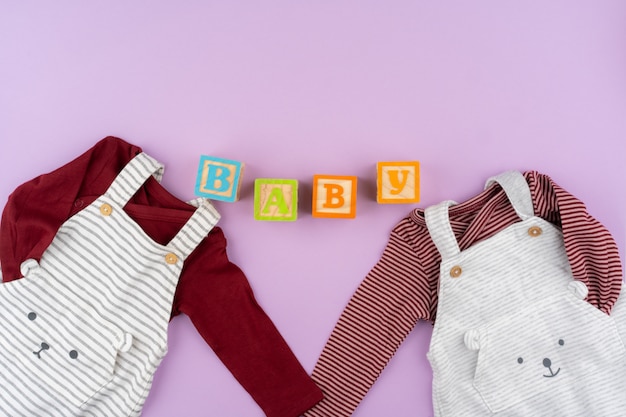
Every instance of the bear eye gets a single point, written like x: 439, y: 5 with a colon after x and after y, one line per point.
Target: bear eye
x: 561, y: 342
x: 32, y: 316
x: 520, y: 360
x: 73, y: 354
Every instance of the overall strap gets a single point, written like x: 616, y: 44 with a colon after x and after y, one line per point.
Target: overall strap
x: 132, y: 177
x: 197, y: 227
x: 438, y: 224
x: 516, y: 188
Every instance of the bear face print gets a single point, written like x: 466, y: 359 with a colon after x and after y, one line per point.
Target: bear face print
x: 558, y: 340
x: 552, y: 370
x: 547, y: 363
x: 67, y: 355
x: 43, y: 346
x: 52, y: 345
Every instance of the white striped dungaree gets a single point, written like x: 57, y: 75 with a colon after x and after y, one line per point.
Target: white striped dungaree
x: 514, y: 336
x: 85, y: 329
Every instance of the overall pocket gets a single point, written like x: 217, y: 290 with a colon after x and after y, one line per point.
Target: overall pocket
x: 551, y: 344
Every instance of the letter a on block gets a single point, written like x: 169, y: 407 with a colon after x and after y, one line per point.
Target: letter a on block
x: 334, y: 196
x: 275, y: 199
x: 219, y: 179
x: 398, y: 182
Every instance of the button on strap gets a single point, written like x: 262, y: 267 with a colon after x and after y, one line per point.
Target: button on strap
x: 106, y: 209
x: 456, y: 271
x: 171, y: 258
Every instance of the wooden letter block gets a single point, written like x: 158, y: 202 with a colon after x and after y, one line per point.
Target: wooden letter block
x: 219, y: 179
x: 275, y: 200
x: 334, y: 196
x: 398, y: 182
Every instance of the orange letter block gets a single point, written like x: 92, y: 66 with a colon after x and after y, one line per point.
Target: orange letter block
x: 334, y: 196
x: 398, y: 182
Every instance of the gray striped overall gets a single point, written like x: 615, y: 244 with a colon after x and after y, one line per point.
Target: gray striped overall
x: 85, y: 329
x: 514, y: 336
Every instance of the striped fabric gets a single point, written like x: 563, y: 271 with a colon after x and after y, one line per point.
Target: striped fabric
x: 402, y: 286
x: 85, y: 329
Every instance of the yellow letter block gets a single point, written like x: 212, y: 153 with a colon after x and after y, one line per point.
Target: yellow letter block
x: 275, y: 200
x: 398, y: 182
x: 334, y: 196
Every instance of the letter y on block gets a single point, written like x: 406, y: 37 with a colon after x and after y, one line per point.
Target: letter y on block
x: 398, y: 182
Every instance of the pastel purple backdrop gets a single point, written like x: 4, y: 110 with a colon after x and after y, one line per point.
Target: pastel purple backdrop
x: 293, y: 89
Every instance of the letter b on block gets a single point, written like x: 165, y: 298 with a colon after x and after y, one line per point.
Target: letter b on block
x: 219, y: 178
x: 334, y: 196
x: 398, y: 182
x: 275, y: 199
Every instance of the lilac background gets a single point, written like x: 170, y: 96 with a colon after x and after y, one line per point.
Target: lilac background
x: 297, y: 88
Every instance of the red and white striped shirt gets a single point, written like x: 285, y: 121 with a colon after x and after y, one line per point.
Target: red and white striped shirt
x: 402, y: 287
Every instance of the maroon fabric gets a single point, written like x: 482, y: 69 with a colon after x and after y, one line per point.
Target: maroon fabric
x: 212, y: 291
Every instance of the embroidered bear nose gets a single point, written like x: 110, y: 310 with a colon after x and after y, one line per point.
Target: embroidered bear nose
x: 44, y: 346
x: 547, y: 362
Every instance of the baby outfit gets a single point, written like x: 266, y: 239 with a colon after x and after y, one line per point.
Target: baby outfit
x: 514, y: 336
x: 85, y: 329
x: 505, y: 275
x: 109, y: 200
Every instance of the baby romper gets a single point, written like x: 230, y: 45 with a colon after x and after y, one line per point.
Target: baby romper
x: 401, y: 289
x: 212, y: 291
x: 514, y: 336
x: 85, y: 329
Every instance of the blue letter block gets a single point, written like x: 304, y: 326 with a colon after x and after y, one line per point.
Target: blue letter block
x: 219, y: 179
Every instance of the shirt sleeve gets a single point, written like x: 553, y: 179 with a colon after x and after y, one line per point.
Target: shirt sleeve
x: 217, y: 297
x: 394, y: 295
x: 590, y: 247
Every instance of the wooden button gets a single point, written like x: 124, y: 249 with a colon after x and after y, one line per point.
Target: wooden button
x: 456, y: 271
x: 171, y: 258
x: 534, y: 231
x: 106, y: 209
